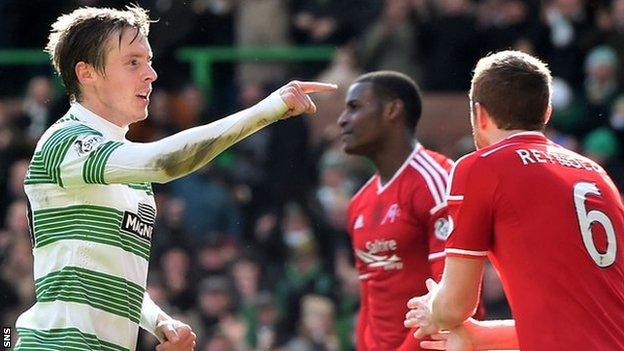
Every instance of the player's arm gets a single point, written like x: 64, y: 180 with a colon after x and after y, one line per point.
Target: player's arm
x: 471, y: 201
x: 470, y: 205
x: 470, y: 335
x: 184, y: 152
x: 172, y: 333
x: 476, y: 335
x: 458, y: 293
x: 450, y: 303
x: 493, y: 335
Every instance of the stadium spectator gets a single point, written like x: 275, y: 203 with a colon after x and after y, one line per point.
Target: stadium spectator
x: 450, y: 44
x: 37, y: 105
x: 391, y: 42
x: 603, y: 146
x: 253, y: 30
x: 215, y: 300
x: 178, y: 279
x: 614, y: 36
x: 601, y: 85
x: 569, y: 29
x: 209, y: 206
x: 303, y: 270
x: 316, y: 326
x: 266, y: 332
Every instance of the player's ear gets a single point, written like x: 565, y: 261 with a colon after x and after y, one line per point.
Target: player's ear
x: 482, y: 116
x: 85, y: 73
x: 548, y: 114
x: 395, y: 108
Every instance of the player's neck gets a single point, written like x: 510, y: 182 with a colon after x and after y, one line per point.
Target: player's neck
x: 389, y: 159
x: 95, y: 105
x: 496, y: 135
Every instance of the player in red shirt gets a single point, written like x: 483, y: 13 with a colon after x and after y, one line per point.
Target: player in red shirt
x: 550, y: 220
x: 393, y: 219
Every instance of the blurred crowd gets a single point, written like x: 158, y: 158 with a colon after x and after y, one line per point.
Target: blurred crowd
x: 252, y: 250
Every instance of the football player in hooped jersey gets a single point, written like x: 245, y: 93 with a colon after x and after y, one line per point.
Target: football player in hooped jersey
x: 550, y: 220
x: 397, y: 221
x: 91, y: 204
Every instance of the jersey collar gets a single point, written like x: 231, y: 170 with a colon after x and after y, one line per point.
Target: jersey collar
x: 380, y: 187
x: 512, y: 137
x: 526, y: 133
x: 109, y: 129
x: 524, y: 136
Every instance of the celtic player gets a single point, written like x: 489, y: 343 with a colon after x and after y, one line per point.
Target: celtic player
x: 92, y: 208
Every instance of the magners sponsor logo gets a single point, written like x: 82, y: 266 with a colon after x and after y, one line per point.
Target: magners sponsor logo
x: 140, y: 224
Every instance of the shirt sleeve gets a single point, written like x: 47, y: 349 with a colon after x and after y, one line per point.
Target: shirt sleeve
x: 47, y: 163
x: 471, y: 208
x: 79, y: 155
x: 430, y: 205
x: 437, y: 231
x: 149, y: 315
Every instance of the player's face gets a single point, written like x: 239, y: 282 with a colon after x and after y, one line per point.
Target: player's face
x: 361, y: 121
x: 123, y: 91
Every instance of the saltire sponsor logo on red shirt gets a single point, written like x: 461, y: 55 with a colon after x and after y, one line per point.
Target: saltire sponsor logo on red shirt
x: 374, y: 260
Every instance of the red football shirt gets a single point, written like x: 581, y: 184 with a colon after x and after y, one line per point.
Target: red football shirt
x: 552, y: 223
x: 393, y: 230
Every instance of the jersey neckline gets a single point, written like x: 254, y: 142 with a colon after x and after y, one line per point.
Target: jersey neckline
x: 382, y: 187
x: 112, y: 130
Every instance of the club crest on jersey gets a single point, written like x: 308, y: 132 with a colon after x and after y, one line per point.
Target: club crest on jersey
x: 359, y: 222
x: 87, y: 144
x: 393, y: 212
x: 443, y: 227
x: 140, y: 224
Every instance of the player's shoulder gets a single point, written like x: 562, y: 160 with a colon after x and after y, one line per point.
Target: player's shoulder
x: 429, y: 163
x: 66, y: 127
x: 435, y: 158
x: 493, y: 155
x: 465, y: 166
x: 428, y: 175
x: 484, y: 165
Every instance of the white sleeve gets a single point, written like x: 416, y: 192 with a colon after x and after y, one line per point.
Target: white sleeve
x: 149, y: 315
x: 169, y: 158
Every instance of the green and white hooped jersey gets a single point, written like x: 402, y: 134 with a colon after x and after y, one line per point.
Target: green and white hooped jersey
x: 91, y: 240
x: 92, y: 211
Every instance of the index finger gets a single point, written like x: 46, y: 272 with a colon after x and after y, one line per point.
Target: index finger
x: 317, y: 87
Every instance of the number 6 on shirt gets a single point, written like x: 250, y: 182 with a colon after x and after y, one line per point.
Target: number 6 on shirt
x: 586, y: 220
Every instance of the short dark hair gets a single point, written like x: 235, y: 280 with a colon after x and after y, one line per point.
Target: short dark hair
x: 515, y: 88
x: 390, y: 85
x: 82, y: 35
